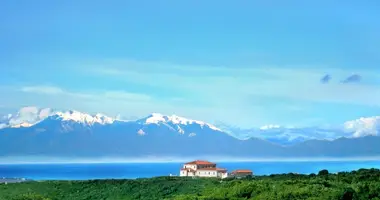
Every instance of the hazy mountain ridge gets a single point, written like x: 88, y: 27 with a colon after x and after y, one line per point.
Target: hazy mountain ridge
x: 29, y: 116
x: 75, y: 134
x: 287, y: 136
x: 369, y: 126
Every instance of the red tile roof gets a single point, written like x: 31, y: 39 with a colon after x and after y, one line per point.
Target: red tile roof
x: 242, y: 171
x: 200, y: 162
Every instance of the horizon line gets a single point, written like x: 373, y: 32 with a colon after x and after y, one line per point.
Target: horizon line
x: 146, y: 160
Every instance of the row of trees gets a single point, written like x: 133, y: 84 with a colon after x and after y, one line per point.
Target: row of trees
x: 363, y: 184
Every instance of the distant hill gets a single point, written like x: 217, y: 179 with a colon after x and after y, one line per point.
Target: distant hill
x: 76, y: 134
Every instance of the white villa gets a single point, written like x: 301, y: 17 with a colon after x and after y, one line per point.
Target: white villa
x: 200, y: 168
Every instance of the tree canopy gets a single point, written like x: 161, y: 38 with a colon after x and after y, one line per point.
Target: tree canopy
x: 362, y: 184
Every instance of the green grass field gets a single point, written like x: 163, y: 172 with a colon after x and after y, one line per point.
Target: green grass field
x: 361, y: 185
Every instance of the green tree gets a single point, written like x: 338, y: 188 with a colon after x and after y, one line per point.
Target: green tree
x: 348, y: 194
x: 323, y: 172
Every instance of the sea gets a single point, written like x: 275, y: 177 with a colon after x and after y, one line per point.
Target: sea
x: 91, y: 171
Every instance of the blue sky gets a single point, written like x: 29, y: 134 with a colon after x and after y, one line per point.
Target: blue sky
x: 246, y: 63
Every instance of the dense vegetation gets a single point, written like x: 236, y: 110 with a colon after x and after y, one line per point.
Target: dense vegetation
x: 363, y: 184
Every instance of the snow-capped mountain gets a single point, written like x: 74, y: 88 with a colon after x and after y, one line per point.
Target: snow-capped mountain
x: 46, y: 132
x: 369, y: 126
x: 157, y: 118
x: 73, y: 133
x: 277, y: 134
x: 31, y: 116
x: 83, y: 118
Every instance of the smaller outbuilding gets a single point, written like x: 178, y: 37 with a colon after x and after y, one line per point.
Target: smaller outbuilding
x: 241, y: 173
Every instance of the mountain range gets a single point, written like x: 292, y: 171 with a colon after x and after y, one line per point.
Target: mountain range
x: 48, y: 132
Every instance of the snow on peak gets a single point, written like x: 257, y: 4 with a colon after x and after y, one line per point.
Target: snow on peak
x: 192, y: 134
x: 73, y: 115
x: 29, y: 116
x: 141, y: 132
x: 270, y: 126
x: 180, y: 130
x: 363, y: 126
x: 100, y: 118
x: 156, y: 118
x: 23, y: 124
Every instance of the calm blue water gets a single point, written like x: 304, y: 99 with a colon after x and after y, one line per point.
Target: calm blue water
x: 145, y: 170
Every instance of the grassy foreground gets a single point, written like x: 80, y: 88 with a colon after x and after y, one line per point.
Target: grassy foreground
x: 363, y: 184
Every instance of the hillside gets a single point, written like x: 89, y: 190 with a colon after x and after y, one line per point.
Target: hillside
x: 68, y: 134
x: 363, y: 184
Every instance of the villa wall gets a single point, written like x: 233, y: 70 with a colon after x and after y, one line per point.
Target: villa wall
x: 207, y: 173
x: 222, y: 174
x: 186, y: 173
x: 202, y: 169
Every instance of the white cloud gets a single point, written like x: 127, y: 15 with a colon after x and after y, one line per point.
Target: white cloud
x: 127, y: 96
x: 99, y: 95
x: 52, y: 90
x: 363, y: 126
x: 42, y: 89
x: 26, y: 115
x: 29, y: 109
x: 234, y: 85
x: 245, y: 96
x: 112, y: 103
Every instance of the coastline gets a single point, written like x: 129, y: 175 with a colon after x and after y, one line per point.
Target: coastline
x: 90, y: 171
x: 109, y: 160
